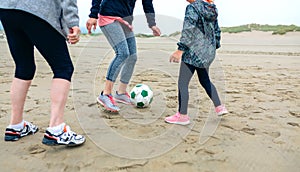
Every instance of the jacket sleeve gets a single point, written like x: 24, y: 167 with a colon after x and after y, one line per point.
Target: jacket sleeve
x: 70, y: 13
x: 149, y: 12
x: 95, y: 9
x: 189, y: 25
x: 217, y: 34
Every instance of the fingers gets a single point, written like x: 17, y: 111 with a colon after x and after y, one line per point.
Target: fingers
x: 174, y: 59
x: 156, y: 31
x: 91, y: 23
x: 74, y: 34
x: 88, y: 27
x: 95, y: 26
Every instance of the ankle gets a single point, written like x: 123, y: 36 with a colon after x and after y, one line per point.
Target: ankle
x: 56, y: 129
x: 121, y: 92
x: 18, y: 125
x: 106, y: 93
x: 182, y: 115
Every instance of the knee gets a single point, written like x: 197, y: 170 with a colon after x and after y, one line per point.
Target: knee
x: 123, y: 54
x: 25, y: 73
x: 132, y: 58
x: 64, y: 72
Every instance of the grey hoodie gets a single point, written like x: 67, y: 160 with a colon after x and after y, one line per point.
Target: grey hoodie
x: 60, y: 14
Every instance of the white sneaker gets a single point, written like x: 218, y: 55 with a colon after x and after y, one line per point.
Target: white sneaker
x: 65, y: 137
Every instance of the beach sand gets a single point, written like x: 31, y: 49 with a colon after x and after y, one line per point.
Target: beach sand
x: 256, y: 74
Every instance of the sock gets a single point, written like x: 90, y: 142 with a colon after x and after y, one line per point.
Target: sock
x: 57, y: 129
x: 19, y: 126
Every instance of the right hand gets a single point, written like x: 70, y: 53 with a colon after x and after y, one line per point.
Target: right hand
x: 176, y: 56
x: 156, y: 31
x: 74, y: 35
x: 91, y: 23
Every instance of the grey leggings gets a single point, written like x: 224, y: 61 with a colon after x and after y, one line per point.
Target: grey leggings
x: 122, y: 40
x: 185, y: 74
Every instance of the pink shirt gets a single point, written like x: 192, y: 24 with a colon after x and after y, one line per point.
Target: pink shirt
x: 105, y: 20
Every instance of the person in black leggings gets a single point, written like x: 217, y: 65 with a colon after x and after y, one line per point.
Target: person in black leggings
x: 24, y: 31
x: 185, y: 74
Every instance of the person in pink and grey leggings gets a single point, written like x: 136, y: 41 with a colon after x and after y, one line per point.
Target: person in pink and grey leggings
x: 115, y: 21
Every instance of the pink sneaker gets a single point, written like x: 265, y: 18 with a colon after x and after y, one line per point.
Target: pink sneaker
x: 221, y: 110
x: 178, y: 119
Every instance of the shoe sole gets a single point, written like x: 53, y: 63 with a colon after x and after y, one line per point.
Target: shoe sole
x: 11, y: 138
x: 50, y: 142
x: 106, y: 109
x: 223, y: 114
x: 124, y: 102
x: 16, y: 138
x: 179, y: 123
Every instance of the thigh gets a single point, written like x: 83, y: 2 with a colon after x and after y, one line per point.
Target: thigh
x: 50, y: 43
x: 130, y: 38
x: 114, y: 33
x: 186, y: 72
x: 203, y: 76
x: 131, y: 45
x: 20, y: 45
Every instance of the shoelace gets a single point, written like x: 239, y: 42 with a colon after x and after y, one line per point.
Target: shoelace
x: 220, y: 108
x: 177, y: 115
x: 31, y: 126
x: 69, y: 133
x: 111, y: 99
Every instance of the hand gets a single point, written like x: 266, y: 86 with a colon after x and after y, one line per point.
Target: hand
x: 155, y: 30
x: 176, y: 56
x: 73, y: 36
x: 91, y: 23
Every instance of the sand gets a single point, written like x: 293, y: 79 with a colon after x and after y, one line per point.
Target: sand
x: 256, y: 73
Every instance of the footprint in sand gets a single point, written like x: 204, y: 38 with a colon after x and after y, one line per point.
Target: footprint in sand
x: 294, y: 124
x: 36, y: 149
x: 250, y: 131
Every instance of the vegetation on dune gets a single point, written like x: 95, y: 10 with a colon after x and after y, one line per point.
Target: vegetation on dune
x: 142, y: 35
x: 92, y: 34
x: 275, y: 29
x: 175, y: 33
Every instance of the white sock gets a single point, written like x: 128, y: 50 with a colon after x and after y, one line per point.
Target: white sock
x: 17, y: 126
x: 57, y: 129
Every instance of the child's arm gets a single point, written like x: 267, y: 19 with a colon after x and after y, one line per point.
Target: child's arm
x: 189, y: 25
x: 217, y: 34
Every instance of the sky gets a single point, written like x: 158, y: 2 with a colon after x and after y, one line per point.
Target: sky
x: 231, y: 12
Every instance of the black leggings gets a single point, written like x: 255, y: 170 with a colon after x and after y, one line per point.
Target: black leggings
x: 185, y: 74
x: 25, y: 31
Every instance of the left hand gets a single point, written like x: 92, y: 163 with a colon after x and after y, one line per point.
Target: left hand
x: 74, y: 34
x: 176, y: 56
x: 155, y: 30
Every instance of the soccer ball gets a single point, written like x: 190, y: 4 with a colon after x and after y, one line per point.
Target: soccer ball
x: 141, y: 95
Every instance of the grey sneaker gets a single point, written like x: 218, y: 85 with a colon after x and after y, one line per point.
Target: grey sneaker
x: 108, y: 102
x: 14, y: 135
x: 65, y: 137
x: 123, y: 98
